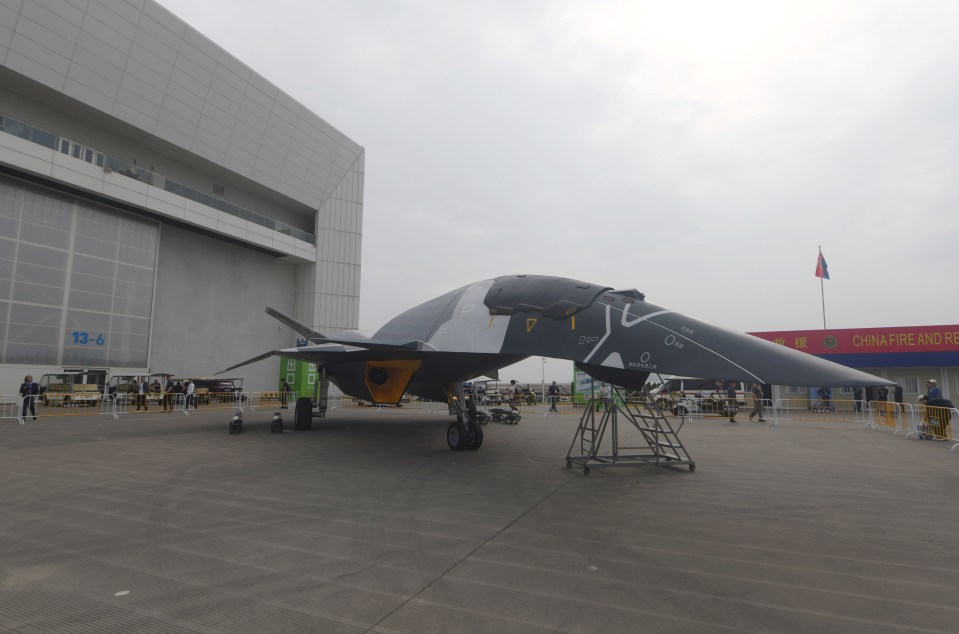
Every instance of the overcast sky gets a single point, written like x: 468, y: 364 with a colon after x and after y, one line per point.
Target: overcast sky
x: 697, y: 151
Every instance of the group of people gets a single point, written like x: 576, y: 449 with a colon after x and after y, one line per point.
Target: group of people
x: 139, y: 387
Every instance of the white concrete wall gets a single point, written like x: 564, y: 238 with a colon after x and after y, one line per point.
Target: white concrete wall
x: 209, y: 308
x: 136, y: 61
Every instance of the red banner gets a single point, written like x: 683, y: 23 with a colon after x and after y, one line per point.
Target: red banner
x: 868, y: 340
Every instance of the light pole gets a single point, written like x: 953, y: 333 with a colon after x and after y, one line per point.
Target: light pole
x: 543, y: 385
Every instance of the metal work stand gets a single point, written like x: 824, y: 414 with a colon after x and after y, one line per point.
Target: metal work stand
x: 662, y: 441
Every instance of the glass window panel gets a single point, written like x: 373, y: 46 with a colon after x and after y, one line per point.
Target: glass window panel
x: 135, y: 275
x: 96, y: 223
x: 9, y: 227
x: 34, y: 334
x: 12, y: 126
x: 30, y: 353
x: 91, y: 284
x: 132, y: 290
x: 34, y: 315
x: 38, y: 294
x: 130, y: 325
x: 136, y: 252
x: 90, y: 245
x: 42, y: 256
x: 45, y: 275
x: 44, y: 138
x: 6, y: 259
x: 41, y: 234
x: 134, y: 307
x: 85, y: 300
x: 93, y: 323
x: 94, y: 266
x: 86, y: 355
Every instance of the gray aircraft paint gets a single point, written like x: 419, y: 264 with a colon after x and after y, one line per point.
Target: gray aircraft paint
x: 617, y: 336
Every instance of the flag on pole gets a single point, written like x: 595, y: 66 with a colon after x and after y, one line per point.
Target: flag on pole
x: 822, y: 269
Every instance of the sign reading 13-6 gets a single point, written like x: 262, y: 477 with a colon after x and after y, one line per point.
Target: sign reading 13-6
x: 87, y: 338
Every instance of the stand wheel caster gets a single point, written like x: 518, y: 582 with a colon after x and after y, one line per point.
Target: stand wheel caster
x: 692, y: 466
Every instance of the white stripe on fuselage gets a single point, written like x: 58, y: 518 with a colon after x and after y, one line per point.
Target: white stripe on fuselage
x: 630, y: 324
x: 624, y: 323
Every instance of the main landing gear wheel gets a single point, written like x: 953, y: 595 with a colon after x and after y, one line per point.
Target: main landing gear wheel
x: 460, y: 436
x: 456, y: 436
x: 476, y: 437
x: 303, y: 414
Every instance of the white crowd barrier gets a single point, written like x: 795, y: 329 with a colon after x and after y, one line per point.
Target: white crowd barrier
x: 11, y: 406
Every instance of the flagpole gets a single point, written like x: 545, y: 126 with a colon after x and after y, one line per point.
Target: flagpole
x: 822, y: 293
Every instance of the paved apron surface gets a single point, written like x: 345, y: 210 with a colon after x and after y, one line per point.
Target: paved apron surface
x: 368, y: 523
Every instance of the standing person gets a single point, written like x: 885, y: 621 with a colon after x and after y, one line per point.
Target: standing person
x: 553, y: 392
x: 882, y: 393
x: 857, y: 394
x: 825, y: 395
x: 178, y: 389
x: 731, y: 401
x: 897, y: 397
x: 190, y: 390
x: 934, y: 396
x: 168, y: 395
x: 142, y: 388
x: 285, y: 395
x: 757, y: 403
x: 514, y: 395
x: 29, y: 392
x: 604, y: 395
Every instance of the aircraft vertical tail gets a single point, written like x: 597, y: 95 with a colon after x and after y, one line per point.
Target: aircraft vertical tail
x: 312, y: 335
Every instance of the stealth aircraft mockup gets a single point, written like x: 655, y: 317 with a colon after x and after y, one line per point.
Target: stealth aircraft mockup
x: 614, y: 335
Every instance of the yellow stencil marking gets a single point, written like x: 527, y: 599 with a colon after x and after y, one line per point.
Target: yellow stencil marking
x: 530, y: 323
x: 572, y: 322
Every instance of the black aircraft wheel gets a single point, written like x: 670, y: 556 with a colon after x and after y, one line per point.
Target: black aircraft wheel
x: 456, y: 436
x: 303, y: 414
x: 476, y: 437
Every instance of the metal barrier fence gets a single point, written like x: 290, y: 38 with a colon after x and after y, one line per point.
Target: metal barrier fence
x: 817, y: 411
x: 284, y: 400
x: 914, y: 421
x: 11, y: 406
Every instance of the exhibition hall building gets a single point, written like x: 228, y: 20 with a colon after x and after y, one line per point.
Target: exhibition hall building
x: 156, y: 194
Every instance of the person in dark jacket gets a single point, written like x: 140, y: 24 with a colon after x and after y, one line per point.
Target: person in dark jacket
x: 29, y: 392
x: 553, y: 396
x: 731, y: 401
x: 168, y: 395
x: 143, y: 388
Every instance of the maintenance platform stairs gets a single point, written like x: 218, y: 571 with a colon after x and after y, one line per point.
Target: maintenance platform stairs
x: 662, y: 447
